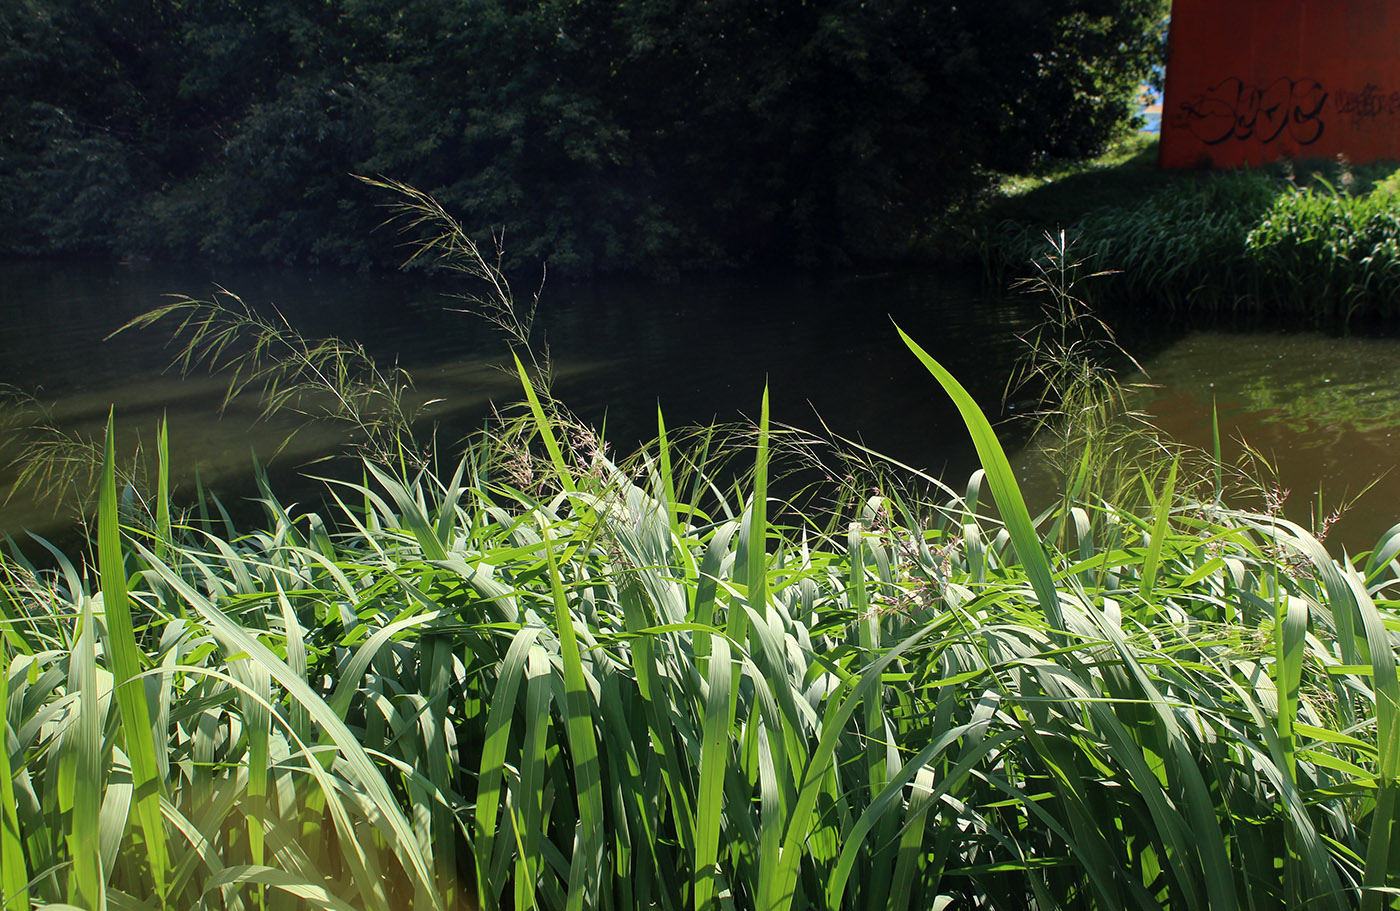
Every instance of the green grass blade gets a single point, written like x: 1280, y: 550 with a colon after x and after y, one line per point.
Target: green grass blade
x: 257, y: 726
x: 1380, y: 871
x: 1379, y: 867
x: 530, y: 822
x: 125, y: 658
x: 666, y: 474
x: 14, y: 877
x: 435, y: 681
x: 707, y: 588
x: 447, y: 514
x: 545, y: 428
x: 297, y: 659
x: 714, y: 763
x: 1216, y: 462
x: 587, y: 861
x: 1004, y: 488
x: 1290, y: 633
x: 1159, y: 535
x: 82, y: 744
x: 758, y: 520
x: 490, y: 794
x: 163, y: 489
x: 116, y: 810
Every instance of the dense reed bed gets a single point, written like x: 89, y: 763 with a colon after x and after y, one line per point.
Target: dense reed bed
x: 1325, y: 245
x: 553, y: 680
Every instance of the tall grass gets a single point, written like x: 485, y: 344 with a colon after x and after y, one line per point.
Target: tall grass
x: 1181, y: 246
x: 459, y: 693
x: 1268, y: 241
x: 1328, y: 244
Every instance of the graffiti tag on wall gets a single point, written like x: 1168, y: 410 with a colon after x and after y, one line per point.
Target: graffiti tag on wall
x: 1369, y: 102
x: 1233, y: 109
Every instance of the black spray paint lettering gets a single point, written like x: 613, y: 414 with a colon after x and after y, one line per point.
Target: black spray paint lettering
x: 1369, y: 102
x: 1234, y: 110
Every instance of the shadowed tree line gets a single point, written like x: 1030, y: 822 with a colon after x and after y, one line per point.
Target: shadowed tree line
x: 656, y: 134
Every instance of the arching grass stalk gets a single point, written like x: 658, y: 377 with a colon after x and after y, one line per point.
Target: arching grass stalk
x: 328, y: 380
x: 51, y: 463
x: 1084, y: 429
x: 319, y: 379
x: 439, y: 240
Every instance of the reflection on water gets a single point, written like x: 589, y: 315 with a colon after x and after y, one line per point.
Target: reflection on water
x: 703, y: 349
x: 1325, y: 411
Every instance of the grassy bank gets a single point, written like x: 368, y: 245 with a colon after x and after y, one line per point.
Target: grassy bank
x: 549, y: 679
x: 541, y: 676
x: 1316, y: 239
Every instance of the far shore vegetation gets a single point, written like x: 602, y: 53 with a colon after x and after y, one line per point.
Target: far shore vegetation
x: 645, y: 136
x: 1317, y: 241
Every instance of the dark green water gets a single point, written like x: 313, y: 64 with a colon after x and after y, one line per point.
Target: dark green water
x: 1324, y: 407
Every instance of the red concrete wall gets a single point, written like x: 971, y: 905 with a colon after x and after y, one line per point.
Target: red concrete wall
x: 1251, y: 81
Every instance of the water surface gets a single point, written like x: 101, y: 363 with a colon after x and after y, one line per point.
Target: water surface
x: 1323, y: 408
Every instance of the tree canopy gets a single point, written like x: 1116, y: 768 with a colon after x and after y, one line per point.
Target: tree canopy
x: 601, y: 134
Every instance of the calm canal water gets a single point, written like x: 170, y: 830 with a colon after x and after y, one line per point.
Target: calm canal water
x: 1323, y: 407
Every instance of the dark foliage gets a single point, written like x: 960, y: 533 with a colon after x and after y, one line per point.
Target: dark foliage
x: 659, y: 134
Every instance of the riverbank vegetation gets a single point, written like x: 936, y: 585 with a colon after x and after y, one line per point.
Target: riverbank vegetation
x: 559, y: 686
x: 543, y: 676
x: 647, y: 136
x: 1316, y: 240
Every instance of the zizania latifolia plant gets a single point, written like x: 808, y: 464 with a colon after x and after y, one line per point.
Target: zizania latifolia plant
x: 626, y: 685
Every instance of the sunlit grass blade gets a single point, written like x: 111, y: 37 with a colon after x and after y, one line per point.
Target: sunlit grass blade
x: 1290, y: 631
x: 1004, y: 487
x: 162, y: 493
x: 578, y: 718
x: 14, y: 875
x: 757, y: 580
x: 1153, y: 558
x: 82, y: 757
x: 492, y: 775
x: 436, y: 681
x: 125, y: 658
x: 714, y: 764
x: 528, y: 822
x: 665, y: 474
x: 545, y: 427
